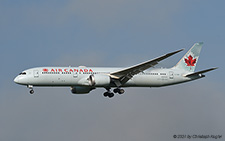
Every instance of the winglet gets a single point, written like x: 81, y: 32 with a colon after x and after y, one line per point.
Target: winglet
x: 178, y: 51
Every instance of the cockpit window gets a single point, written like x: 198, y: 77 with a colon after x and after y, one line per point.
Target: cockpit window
x: 22, y: 73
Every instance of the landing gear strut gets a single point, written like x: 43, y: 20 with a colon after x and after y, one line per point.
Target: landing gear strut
x: 31, y: 89
x: 111, y: 94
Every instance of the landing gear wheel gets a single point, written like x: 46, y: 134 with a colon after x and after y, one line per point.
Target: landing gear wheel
x: 105, y: 94
x: 116, y: 90
x: 121, y: 91
x: 31, y: 91
x: 110, y: 95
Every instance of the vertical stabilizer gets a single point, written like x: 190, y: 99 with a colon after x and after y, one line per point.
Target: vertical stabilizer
x: 190, y: 59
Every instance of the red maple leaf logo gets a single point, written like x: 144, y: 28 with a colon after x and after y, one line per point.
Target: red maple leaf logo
x: 190, y: 61
x: 45, y: 70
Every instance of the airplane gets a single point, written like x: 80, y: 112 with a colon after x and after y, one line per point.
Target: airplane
x: 83, y: 79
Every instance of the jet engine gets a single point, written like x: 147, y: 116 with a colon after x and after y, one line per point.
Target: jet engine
x: 99, y: 80
x: 80, y: 90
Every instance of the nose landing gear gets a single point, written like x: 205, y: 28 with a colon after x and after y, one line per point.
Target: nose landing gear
x: 31, y: 89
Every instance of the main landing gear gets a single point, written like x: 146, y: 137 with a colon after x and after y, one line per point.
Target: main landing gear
x: 111, y: 94
x: 31, y: 89
x: 119, y: 91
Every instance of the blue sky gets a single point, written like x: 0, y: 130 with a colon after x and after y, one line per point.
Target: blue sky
x: 110, y: 33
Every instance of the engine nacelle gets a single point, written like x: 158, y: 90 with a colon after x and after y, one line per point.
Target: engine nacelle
x: 81, y: 90
x: 99, y: 80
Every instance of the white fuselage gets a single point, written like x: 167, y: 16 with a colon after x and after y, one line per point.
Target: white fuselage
x: 78, y: 76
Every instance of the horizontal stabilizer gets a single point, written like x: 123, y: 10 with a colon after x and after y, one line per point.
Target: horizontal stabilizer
x: 200, y: 72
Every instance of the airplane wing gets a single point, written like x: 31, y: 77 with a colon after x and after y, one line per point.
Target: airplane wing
x: 200, y: 72
x: 125, y: 74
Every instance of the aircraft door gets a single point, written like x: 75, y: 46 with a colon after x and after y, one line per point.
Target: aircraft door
x: 36, y: 73
x: 75, y: 75
x: 171, y: 75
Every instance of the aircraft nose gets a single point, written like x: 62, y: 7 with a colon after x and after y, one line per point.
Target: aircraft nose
x: 16, y: 80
